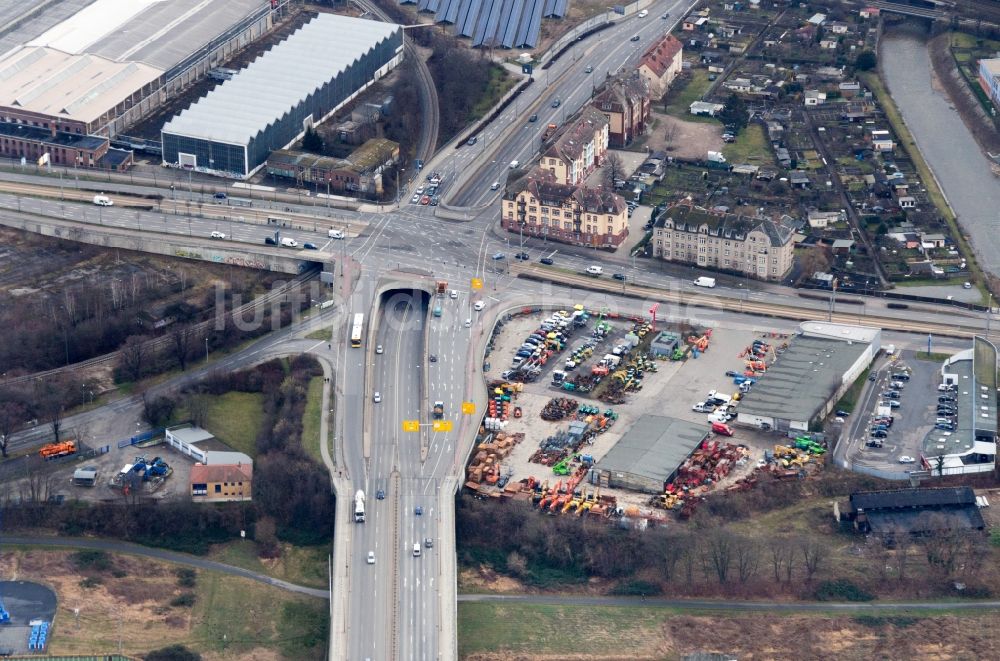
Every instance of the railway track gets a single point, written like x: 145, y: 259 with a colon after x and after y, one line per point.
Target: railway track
x: 162, y: 342
x: 723, y: 303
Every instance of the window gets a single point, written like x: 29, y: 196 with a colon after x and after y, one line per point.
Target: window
x: 218, y: 488
x: 727, y: 253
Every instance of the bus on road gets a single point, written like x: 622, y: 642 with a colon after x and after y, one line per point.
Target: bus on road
x: 359, y: 322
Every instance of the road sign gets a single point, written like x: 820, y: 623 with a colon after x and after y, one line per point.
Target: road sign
x: 411, y: 425
x: 442, y: 425
x: 468, y: 408
x: 477, y: 283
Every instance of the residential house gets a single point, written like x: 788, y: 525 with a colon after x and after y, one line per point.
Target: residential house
x: 538, y: 206
x: 783, y: 157
x: 822, y: 219
x: 661, y: 63
x: 218, y: 483
x: 829, y: 73
x: 758, y: 247
x: 694, y: 22
x: 625, y: 102
x: 849, y: 90
x: 838, y: 27
x: 798, y: 179
x: 817, y: 19
x: 907, y: 202
x: 842, y: 247
x: 814, y: 98
x: 828, y: 43
x: 578, y: 149
x: 869, y: 12
x: 775, y: 131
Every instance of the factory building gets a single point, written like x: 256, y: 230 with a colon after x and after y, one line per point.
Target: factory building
x: 267, y: 106
x: 649, y: 454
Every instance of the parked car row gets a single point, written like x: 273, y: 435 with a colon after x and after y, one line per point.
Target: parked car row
x: 549, y: 338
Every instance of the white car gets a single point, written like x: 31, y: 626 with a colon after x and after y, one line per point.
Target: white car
x: 415, y: 199
x: 378, y: 349
x: 103, y: 201
x: 479, y: 305
x: 906, y: 459
x: 419, y: 191
x: 468, y: 323
x: 453, y: 293
x: 702, y: 407
x: 218, y: 235
x: 371, y: 557
x: 377, y: 397
x: 495, y: 185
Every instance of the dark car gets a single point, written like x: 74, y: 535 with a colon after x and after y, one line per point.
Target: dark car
x: 946, y: 398
x: 619, y: 276
x: 220, y: 196
x: 471, y: 141
x: 635, y: 38
x: 891, y: 394
x: 902, y: 376
x: 533, y: 118
x: 309, y: 246
x: 872, y: 377
x: 432, y: 358
x: 879, y: 433
x: 556, y: 103
x: 944, y: 426
x: 381, y: 494
x: 548, y: 261
x: 841, y: 413
x: 270, y: 241
x: 522, y: 255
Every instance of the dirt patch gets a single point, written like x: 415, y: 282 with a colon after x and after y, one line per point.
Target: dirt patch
x: 484, y: 579
x: 682, y: 139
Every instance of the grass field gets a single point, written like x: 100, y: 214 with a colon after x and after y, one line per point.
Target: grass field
x: 303, y: 565
x: 235, y: 419
x: 850, y: 398
x: 311, y: 419
x: 680, y: 99
x: 750, y: 146
x: 131, y: 605
x: 321, y: 334
x: 500, y: 83
x: 526, y: 631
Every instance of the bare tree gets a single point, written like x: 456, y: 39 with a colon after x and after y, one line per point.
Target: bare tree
x: 613, y: 170
x: 718, y: 556
x: 197, y: 409
x: 180, y: 342
x: 670, y: 135
x: 133, y: 357
x: 12, y: 416
x: 780, y: 552
x: 814, y: 260
x: 747, y: 552
x: 36, y: 485
x: 50, y: 402
x: 814, y: 553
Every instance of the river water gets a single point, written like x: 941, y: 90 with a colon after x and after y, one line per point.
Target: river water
x: 946, y: 143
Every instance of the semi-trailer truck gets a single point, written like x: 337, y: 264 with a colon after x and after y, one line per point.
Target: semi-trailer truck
x: 359, y: 507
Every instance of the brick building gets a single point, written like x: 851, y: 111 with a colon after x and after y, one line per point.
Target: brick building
x: 661, y: 64
x: 33, y: 143
x: 625, y: 102
x: 539, y: 206
x: 758, y: 247
x: 578, y: 149
x: 219, y: 483
x: 361, y: 172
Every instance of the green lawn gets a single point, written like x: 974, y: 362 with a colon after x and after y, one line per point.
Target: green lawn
x: 302, y: 565
x: 500, y: 83
x: 311, y: 419
x: 681, y: 98
x: 750, y: 146
x: 850, y: 398
x: 321, y: 334
x: 234, y: 616
x: 235, y: 419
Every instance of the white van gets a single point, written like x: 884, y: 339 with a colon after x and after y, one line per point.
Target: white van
x: 416, y: 550
x: 514, y: 163
x: 643, y: 14
x: 335, y: 234
x: 103, y: 201
x: 704, y: 282
x: 289, y: 243
x: 594, y: 270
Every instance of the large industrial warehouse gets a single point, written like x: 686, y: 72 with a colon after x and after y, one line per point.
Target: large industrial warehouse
x: 650, y: 452
x: 820, y: 364
x: 99, y: 66
x: 268, y: 105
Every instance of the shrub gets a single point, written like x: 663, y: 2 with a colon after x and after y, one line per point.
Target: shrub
x: 637, y: 588
x: 172, y: 653
x: 185, y: 600
x: 96, y: 560
x: 90, y: 582
x: 841, y: 590
x: 186, y: 578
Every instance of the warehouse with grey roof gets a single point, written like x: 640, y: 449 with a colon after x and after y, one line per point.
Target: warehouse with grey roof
x: 267, y: 106
x: 803, y: 385
x: 649, y: 454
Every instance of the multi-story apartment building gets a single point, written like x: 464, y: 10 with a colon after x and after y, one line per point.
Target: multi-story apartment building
x: 578, y: 149
x: 537, y: 205
x: 661, y: 64
x: 625, y: 102
x: 758, y: 247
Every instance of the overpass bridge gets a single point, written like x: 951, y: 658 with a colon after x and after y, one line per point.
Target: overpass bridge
x: 932, y: 9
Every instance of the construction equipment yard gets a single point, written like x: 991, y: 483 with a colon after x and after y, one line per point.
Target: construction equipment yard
x: 543, y: 440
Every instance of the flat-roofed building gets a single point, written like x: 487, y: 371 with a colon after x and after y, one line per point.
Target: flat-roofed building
x: 649, y: 454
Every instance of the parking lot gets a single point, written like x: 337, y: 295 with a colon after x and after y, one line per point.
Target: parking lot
x: 911, y: 421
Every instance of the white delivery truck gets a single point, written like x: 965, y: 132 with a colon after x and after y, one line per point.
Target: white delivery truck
x: 335, y: 234
x: 704, y: 282
x: 103, y: 201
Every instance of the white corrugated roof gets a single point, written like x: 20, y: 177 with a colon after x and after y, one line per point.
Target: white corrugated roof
x: 90, y: 24
x: 273, y: 84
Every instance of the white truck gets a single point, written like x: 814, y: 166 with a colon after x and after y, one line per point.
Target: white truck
x: 359, y: 507
x: 704, y: 282
x: 716, y: 157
